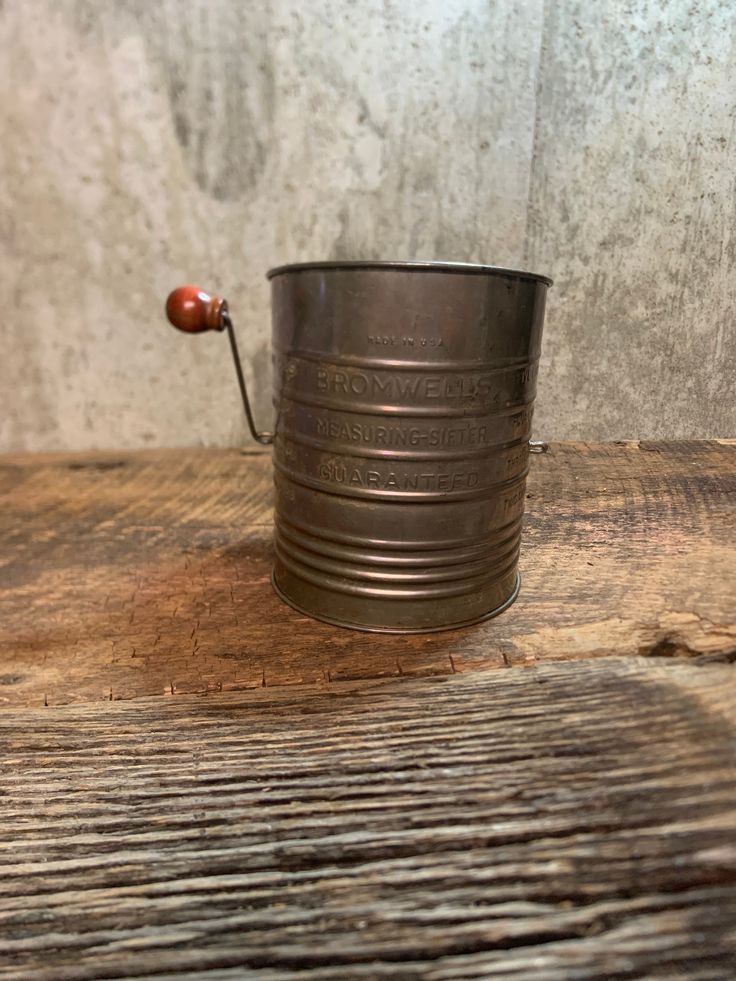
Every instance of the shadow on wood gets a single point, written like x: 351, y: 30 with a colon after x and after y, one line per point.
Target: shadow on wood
x: 148, y: 573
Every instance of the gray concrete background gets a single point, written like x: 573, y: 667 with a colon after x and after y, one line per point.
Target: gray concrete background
x: 149, y: 144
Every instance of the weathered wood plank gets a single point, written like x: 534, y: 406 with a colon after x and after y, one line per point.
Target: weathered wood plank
x: 565, y: 821
x: 148, y: 573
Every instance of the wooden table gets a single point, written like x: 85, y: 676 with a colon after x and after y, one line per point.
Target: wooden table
x: 194, y: 778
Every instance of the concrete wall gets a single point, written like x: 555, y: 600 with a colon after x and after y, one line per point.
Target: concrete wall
x: 149, y: 144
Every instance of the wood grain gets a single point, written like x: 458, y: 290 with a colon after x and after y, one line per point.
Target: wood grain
x: 571, y: 820
x: 148, y: 573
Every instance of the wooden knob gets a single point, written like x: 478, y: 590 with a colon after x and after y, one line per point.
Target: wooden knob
x: 192, y: 310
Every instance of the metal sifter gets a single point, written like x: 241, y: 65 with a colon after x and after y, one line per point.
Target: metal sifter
x: 404, y: 395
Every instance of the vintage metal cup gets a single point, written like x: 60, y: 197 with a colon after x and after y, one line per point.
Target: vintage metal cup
x: 404, y: 394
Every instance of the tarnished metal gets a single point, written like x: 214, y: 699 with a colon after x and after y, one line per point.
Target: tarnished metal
x: 404, y: 395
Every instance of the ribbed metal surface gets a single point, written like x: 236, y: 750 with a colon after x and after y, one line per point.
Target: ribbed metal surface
x: 404, y: 397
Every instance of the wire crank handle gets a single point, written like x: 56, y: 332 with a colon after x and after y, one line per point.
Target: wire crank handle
x: 193, y: 311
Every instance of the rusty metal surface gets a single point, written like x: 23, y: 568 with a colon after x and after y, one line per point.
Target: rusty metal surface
x: 404, y: 400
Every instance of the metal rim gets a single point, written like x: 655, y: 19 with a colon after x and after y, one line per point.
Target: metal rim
x: 398, y: 630
x: 412, y: 266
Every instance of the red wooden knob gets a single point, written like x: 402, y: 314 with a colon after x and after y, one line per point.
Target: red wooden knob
x: 192, y: 310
